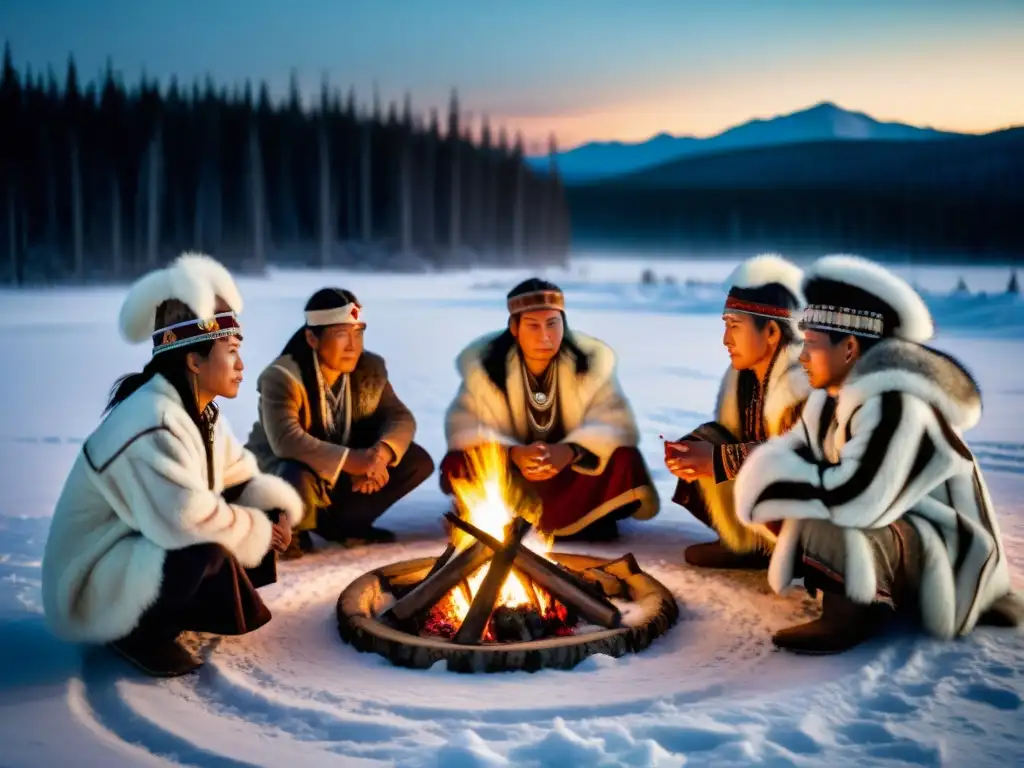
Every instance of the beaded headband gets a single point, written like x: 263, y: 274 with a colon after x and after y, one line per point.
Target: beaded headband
x: 858, y: 322
x: 530, y: 302
x: 190, y: 332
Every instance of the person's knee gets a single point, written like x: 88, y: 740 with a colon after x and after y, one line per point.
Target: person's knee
x: 303, y: 480
x: 201, y: 559
x: 821, y: 537
x: 421, y: 465
x: 452, y: 465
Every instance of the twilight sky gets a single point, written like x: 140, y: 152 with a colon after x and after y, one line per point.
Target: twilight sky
x: 585, y: 69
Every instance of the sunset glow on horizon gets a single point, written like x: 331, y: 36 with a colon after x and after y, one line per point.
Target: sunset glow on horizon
x: 584, y: 70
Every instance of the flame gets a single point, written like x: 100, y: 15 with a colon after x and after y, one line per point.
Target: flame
x: 487, y: 498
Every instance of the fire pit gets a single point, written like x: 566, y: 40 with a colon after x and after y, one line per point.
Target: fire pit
x: 497, y: 599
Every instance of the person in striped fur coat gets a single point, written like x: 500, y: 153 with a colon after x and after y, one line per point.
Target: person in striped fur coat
x: 883, y: 506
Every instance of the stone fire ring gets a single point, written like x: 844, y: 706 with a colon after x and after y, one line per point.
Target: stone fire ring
x: 652, y: 613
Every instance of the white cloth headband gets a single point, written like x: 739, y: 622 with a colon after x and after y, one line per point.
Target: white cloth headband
x: 350, y: 314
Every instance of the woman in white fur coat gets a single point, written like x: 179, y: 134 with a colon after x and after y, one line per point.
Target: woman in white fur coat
x: 165, y: 524
x: 883, y: 504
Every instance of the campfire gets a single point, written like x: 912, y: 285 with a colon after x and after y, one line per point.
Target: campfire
x: 498, y: 597
x: 494, y: 582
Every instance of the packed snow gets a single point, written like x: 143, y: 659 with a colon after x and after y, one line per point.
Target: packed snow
x: 713, y: 691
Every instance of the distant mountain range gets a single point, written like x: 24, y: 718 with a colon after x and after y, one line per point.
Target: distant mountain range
x: 822, y: 122
x: 964, y: 167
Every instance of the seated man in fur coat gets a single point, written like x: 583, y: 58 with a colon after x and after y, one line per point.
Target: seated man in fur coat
x: 331, y: 424
x: 551, y: 396
x: 165, y: 523
x: 760, y: 396
x: 884, y: 506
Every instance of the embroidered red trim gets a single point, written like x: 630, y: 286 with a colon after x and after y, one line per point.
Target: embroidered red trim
x: 222, y: 322
x: 754, y: 308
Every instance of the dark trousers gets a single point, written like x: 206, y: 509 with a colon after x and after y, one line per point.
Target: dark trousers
x: 895, y: 549
x: 342, y: 513
x: 205, y: 589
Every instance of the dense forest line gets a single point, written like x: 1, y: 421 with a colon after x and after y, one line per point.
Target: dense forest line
x: 100, y: 181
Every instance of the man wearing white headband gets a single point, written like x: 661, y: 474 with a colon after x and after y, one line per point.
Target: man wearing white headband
x: 552, y: 398
x: 165, y: 523
x: 331, y: 424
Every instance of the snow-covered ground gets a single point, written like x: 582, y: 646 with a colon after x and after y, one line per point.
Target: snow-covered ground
x: 711, y: 692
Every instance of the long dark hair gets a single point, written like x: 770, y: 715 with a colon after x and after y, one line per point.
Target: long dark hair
x: 172, y: 365
x: 299, y: 350
x: 496, y: 354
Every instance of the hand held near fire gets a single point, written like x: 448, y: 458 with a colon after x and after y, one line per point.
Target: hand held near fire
x: 690, y: 459
x: 541, y: 461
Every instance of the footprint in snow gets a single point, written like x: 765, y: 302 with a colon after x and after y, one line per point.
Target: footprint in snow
x: 994, y: 696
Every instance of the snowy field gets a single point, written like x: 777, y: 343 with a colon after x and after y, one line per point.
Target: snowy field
x: 711, y: 692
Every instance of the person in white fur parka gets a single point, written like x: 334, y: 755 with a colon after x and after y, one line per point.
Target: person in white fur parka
x: 883, y: 504
x: 165, y: 523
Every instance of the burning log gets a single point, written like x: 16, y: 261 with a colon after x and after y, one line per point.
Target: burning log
x: 441, y: 561
x: 432, y: 589
x: 473, y: 626
x: 564, y: 586
x: 511, y: 626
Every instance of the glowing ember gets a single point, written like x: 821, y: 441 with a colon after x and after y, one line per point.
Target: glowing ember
x: 487, y: 498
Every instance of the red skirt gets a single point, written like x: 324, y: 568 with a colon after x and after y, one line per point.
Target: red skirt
x: 572, y: 500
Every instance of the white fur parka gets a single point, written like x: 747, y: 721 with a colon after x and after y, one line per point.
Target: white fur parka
x: 139, y: 488
x: 594, y: 412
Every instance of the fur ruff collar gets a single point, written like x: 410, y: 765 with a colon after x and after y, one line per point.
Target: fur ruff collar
x: 903, y: 366
x: 575, y: 390
x: 469, y: 363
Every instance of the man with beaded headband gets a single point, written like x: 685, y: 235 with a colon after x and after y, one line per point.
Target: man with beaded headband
x: 331, y: 424
x: 882, y: 504
x: 760, y: 396
x: 165, y: 523
x: 552, y: 398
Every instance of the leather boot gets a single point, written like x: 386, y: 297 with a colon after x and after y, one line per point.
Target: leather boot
x: 842, y: 625
x: 714, y: 554
x: 163, y: 657
x: 1007, y: 611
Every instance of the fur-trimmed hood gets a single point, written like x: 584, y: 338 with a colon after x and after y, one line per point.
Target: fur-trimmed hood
x: 903, y: 366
